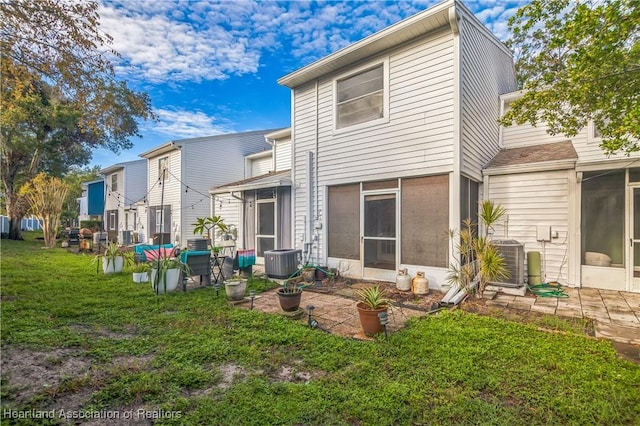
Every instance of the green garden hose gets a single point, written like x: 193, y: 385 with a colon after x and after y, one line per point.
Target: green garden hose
x: 548, y: 290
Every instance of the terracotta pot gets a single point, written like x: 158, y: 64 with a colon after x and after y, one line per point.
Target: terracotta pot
x: 369, y: 319
x: 289, y: 302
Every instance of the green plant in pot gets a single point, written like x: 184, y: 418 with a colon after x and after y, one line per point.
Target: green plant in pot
x: 372, y: 301
x: 141, y: 272
x: 290, y: 294
x: 206, y: 224
x: 166, y: 274
x: 235, y: 287
x: 113, y: 259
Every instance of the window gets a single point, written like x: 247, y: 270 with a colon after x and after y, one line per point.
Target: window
x: 360, y: 97
x: 425, y: 220
x: 163, y: 167
x: 603, y: 214
x: 112, y: 220
x: 344, y: 221
x: 114, y: 182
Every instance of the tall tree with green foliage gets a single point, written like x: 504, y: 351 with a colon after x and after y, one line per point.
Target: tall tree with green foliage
x: 579, y: 62
x: 45, y: 196
x: 60, y: 95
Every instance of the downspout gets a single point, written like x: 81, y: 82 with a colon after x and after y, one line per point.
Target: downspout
x: 317, y: 185
x: 455, y: 175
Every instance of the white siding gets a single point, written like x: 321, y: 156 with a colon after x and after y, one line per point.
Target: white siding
x: 114, y: 199
x: 261, y: 166
x: 171, y: 193
x: 229, y: 209
x: 532, y: 199
x: 486, y: 71
x: 135, y: 181
x: 211, y: 162
x: 527, y: 135
x: 417, y: 140
x: 282, y: 153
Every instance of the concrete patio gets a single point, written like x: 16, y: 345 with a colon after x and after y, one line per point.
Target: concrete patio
x: 616, y: 314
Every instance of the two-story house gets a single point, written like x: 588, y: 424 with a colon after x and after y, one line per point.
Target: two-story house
x: 180, y: 174
x: 390, y: 137
x: 259, y: 206
x: 91, y: 202
x: 125, y: 184
x: 567, y: 200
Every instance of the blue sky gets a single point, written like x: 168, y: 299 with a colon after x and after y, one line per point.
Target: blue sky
x: 211, y: 67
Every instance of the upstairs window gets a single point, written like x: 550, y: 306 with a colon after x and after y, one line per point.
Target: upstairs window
x: 360, y: 97
x: 163, y: 167
x: 114, y: 182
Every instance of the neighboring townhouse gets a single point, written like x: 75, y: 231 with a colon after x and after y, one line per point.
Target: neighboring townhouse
x: 180, y: 174
x: 567, y: 200
x: 259, y: 206
x: 390, y: 137
x: 92, y: 200
x: 125, y: 185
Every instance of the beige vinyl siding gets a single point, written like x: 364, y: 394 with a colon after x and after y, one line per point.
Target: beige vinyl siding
x: 114, y: 199
x: 532, y: 199
x: 486, y: 72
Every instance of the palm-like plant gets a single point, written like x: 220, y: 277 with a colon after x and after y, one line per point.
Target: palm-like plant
x: 480, y: 261
x: 206, y: 224
x: 373, y: 298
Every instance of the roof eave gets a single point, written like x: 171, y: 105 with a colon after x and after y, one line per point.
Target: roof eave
x: 159, y: 150
x: 540, y: 166
x: 394, y: 35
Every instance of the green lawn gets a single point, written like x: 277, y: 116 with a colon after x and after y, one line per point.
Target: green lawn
x: 90, y: 344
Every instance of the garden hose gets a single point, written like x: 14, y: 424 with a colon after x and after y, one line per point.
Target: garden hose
x: 552, y: 289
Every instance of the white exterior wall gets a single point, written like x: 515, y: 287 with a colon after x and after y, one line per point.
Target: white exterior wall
x: 282, y: 154
x: 486, y: 72
x: 207, y: 163
x: 230, y: 209
x: 114, y: 199
x: 261, y: 165
x: 172, y: 193
x: 417, y: 140
x: 532, y: 199
x: 135, y: 181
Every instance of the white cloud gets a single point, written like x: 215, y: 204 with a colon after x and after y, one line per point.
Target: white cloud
x: 186, y: 124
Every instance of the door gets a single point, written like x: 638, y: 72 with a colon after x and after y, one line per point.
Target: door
x: 265, y: 227
x: 634, y: 240
x: 379, y: 236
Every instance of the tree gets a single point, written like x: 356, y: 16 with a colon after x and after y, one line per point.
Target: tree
x: 74, y: 179
x: 60, y: 97
x: 579, y: 62
x: 45, y: 196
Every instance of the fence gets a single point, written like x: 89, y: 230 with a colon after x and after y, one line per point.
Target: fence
x: 27, y: 224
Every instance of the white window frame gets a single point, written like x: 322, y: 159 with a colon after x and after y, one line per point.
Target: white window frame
x: 168, y: 164
x: 385, y: 96
x: 114, y: 182
x: 591, y: 131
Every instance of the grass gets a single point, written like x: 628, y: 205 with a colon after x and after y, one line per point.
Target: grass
x: 105, y: 343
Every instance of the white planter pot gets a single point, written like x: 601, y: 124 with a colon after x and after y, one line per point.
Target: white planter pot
x: 140, y: 277
x: 235, y: 289
x: 115, y: 265
x: 169, y: 281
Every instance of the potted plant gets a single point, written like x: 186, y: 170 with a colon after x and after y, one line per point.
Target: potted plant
x: 166, y: 274
x: 113, y: 260
x: 206, y: 224
x: 372, y: 301
x: 235, y: 287
x: 290, y: 294
x: 140, y: 272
